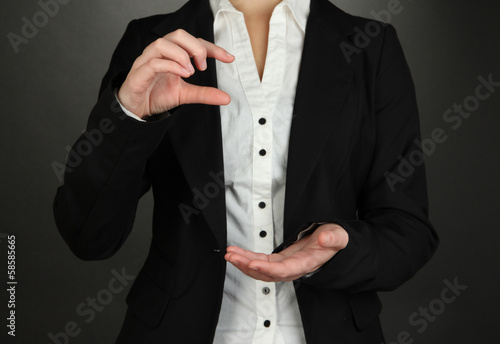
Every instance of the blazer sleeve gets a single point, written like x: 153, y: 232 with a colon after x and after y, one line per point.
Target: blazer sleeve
x: 106, y: 169
x: 392, y: 238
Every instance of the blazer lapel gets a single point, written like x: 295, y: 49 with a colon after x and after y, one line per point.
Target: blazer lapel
x: 197, y: 138
x: 324, y: 78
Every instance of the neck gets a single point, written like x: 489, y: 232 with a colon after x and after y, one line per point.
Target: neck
x: 255, y: 7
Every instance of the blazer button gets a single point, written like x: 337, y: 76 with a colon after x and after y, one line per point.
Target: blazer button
x: 262, y: 121
x: 262, y: 205
x: 267, y: 323
x: 263, y: 234
x: 262, y: 152
x: 266, y: 290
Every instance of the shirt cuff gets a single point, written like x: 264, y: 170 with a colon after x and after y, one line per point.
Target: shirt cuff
x: 306, y: 231
x: 127, y: 112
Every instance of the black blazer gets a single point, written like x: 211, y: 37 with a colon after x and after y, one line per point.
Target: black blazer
x: 354, y: 120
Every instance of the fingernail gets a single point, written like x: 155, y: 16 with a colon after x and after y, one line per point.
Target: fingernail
x: 186, y: 71
x: 229, y: 55
x: 203, y: 65
x: 191, y: 68
x: 254, y: 268
x: 236, y: 262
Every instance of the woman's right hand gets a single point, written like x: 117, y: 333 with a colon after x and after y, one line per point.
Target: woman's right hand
x: 154, y: 83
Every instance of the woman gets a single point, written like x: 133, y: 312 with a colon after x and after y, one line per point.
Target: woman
x: 291, y: 110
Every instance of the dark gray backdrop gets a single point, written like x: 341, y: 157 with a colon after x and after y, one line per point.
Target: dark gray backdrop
x: 50, y: 85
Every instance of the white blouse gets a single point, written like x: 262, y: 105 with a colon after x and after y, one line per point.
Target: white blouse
x: 255, y: 132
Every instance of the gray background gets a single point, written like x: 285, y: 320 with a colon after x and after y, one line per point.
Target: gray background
x: 50, y: 86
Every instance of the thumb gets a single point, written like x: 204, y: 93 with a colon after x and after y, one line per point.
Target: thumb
x: 193, y: 94
x: 327, y: 239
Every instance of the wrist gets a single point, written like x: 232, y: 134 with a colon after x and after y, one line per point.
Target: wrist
x: 125, y: 109
x: 124, y: 99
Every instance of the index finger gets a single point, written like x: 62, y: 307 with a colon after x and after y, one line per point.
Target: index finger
x: 199, y: 49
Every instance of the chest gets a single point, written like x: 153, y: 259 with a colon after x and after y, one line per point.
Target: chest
x: 258, y: 32
x: 256, y: 124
